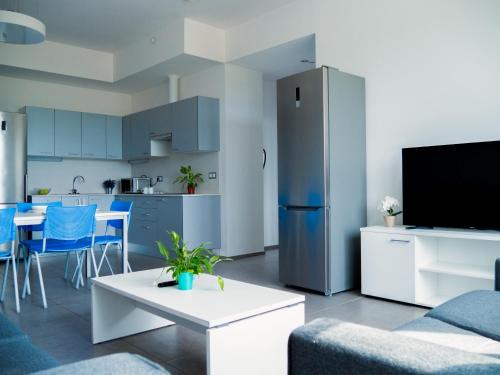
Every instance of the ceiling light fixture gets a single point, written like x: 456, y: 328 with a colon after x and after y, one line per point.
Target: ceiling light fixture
x: 19, y: 28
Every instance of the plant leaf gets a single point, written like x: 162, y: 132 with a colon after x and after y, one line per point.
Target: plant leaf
x: 220, y: 281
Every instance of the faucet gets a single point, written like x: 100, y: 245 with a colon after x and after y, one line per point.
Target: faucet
x: 79, y: 179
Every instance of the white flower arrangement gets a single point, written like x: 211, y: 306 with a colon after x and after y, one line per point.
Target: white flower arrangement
x: 388, y: 206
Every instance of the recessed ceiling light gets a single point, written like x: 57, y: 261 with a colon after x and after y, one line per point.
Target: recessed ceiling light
x: 153, y: 40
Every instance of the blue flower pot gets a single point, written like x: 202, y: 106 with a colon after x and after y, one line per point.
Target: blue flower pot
x: 185, y: 281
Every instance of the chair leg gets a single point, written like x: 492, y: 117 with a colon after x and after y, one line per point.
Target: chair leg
x: 26, y: 276
x: 81, y: 262
x: 16, y: 291
x: 26, y: 268
x: 40, y: 277
x: 77, y: 272
x: 4, y: 283
x: 92, y: 255
x: 66, y: 267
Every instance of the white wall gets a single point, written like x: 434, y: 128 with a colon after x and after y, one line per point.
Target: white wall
x: 59, y: 175
x: 270, y: 177
x: 241, y: 162
x: 17, y: 93
x: 430, y: 69
x: 431, y: 75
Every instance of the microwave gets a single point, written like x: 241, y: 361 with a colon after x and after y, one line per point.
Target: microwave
x: 134, y: 184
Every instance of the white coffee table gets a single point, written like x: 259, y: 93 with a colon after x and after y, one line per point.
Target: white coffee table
x: 247, y: 326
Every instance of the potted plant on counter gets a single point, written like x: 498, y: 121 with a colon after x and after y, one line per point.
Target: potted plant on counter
x: 109, y: 185
x: 189, y: 178
x: 184, y: 263
x: 389, y: 207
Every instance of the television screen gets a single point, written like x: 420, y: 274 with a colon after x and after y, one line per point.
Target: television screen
x: 456, y: 186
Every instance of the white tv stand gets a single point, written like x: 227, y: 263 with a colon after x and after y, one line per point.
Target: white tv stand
x: 426, y: 266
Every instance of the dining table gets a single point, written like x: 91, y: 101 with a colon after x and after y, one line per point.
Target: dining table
x: 35, y: 218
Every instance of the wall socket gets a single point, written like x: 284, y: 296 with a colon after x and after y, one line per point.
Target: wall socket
x: 212, y: 175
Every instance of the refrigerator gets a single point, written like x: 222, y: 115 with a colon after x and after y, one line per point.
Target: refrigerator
x: 321, y: 179
x: 13, y: 159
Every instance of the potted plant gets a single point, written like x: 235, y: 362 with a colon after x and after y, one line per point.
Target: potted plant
x: 185, y: 263
x: 109, y: 185
x: 389, y: 207
x: 189, y: 178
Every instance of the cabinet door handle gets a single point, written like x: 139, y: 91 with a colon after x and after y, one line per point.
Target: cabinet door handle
x: 74, y: 154
x: 146, y: 214
x: 399, y: 241
x: 146, y: 227
x: 46, y: 152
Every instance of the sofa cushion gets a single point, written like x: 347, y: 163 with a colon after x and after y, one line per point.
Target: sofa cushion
x: 441, y: 333
x: 9, y: 331
x: 477, y: 311
x: 121, y: 363
x: 326, y: 346
x: 21, y: 357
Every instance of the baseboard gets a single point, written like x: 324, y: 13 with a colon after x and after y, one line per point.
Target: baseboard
x: 271, y: 247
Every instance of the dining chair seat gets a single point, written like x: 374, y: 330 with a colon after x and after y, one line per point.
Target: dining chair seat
x: 4, y: 255
x: 54, y: 246
x: 103, y: 240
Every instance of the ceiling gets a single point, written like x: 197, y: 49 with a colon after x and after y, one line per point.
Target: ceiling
x: 108, y: 25
x: 284, y: 59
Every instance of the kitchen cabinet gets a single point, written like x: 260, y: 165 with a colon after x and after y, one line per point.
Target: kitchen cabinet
x: 195, y: 125
x: 93, y: 136
x: 68, y: 133
x: 45, y: 198
x: 136, y: 140
x: 40, y: 131
x: 196, y: 218
x: 103, y: 203
x: 160, y: 120
x: 74, y: 200
x: 113, y: 138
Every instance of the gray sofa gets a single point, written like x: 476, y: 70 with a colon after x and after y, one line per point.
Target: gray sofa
x: 19, y: 356
x: 461, y: 336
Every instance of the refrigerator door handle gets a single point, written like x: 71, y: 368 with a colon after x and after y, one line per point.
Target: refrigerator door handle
x: 302, y: 208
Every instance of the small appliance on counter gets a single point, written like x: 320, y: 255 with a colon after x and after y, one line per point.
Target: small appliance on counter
x: 135, y: 185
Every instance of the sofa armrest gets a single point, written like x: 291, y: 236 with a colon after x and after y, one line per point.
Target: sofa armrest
x: 326, y: 346
x: 497, y: 275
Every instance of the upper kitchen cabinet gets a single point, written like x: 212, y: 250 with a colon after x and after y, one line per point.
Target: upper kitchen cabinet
x: 93, y: 136
x: 195, y: 125
x: 136, y: 139
x: 113, y: 138
x: 160, y: 120
x: 68, y: 133
x: 40, y: 131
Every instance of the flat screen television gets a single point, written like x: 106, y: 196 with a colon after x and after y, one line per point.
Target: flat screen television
x: 454, y: 186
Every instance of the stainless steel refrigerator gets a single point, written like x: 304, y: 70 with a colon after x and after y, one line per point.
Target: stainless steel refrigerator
x: 321, y: 179
x: 13, y: 165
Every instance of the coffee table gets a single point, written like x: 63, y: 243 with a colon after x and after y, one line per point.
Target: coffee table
x: 246, y: 326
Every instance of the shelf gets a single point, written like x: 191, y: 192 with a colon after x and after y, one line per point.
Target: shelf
x: 434, y: 300
x: 464, y: 270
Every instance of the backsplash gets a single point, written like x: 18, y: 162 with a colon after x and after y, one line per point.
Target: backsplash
x: 169, y: 169
x: 59, y: 175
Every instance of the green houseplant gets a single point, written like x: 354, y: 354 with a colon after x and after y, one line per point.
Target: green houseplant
x: 190, y: 178
x: 184, y: 263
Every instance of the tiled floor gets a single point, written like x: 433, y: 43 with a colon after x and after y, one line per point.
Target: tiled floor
x: 63, y: 329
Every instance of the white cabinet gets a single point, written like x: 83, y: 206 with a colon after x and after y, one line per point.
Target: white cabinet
x: 74, y: 200
x: 426, y: 266
x: 388, y: 266
x: 103, y: 203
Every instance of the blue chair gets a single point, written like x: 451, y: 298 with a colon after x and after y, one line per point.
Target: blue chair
x: 24, y: 230
x: 8, y: 234
x: 108, y: 240
x: 66, y: 229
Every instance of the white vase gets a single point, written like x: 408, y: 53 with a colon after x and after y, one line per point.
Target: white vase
x: 390, y: 221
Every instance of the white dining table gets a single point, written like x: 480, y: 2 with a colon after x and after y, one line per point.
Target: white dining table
x: 32, y: 218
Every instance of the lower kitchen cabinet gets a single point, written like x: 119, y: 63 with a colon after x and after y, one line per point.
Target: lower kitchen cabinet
x: 196, y: 218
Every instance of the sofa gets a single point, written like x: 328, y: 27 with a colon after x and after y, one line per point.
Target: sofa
x: 19, y: 356
x: 461, y: 336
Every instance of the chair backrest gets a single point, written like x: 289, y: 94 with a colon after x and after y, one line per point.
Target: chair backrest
x: 122, y: 206
x: 7, y: 226
x: 26, y: 207
x: 69, y: 223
